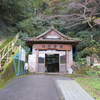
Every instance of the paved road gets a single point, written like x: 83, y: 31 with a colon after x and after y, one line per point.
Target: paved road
x: 43, y: 87
x: 30, y: 87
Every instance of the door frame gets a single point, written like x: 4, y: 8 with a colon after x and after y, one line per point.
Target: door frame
x: 58, y: 57
x: 51, y: 53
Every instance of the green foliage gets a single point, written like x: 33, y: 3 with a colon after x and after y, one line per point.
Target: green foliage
x: 39, y: 6
x: 95, y: 71
x: 92, y: 73
x: 26, y: 26
x: 21, y: 41
x: 20, y: 13
x: 13, y: 11
x: 32, y: 26
x: 88, y: 46
x: 12, y: 30
x: 23, y: 35
x: 93, y: 48
x: 85, y: 39
x: 96, y: 34
x: 80, y: 61
x: 98, y: 66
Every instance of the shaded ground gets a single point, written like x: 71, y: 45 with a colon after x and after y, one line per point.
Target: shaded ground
x: 30, y: 87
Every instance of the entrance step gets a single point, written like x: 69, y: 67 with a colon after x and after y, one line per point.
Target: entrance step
x: 50, y: 73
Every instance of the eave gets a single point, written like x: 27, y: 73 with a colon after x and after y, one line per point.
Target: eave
x: 72, y: 42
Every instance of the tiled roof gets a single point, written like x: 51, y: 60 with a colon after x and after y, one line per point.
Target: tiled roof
x: 52, y: 28
x: 40, y: 39
x: 50, y: 40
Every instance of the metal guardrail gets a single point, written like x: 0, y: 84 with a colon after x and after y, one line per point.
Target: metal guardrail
x: 5, y: 52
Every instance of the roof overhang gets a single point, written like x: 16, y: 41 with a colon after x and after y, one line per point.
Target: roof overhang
x: 71, y: 42
x: 52, y: 32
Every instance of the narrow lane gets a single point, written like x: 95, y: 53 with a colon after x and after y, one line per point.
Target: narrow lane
x: 30, y: 87
x: 43, y: 87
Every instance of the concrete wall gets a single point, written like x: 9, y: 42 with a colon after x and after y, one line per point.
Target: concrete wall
x: 41, y: 68
x: 62, y: 68
x: 32, y: 61
x: 70, y: 59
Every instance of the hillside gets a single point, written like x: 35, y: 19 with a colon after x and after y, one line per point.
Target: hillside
x: 2, y: 41
x: 75, y: 18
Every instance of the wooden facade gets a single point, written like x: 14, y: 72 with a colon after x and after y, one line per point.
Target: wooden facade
x: 52, y: 51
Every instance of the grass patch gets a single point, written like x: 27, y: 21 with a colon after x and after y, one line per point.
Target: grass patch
x: 89, y: 81
x: 73, y: 76
x: 91, y: 85
x: 5, y: 43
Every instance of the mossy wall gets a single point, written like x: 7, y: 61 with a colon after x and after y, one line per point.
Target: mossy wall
x: 7, y: 73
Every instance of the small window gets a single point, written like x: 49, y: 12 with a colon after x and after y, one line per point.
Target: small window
x: 49, y: 46
x: 41, y: 58
x: 61, y: 46
x: 55, y: 46
x: 43, y: 46
x: 62, y: 58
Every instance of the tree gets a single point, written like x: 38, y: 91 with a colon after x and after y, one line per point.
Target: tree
x: 79, y: 12
x: 14, y: 10
x: 86, y: 11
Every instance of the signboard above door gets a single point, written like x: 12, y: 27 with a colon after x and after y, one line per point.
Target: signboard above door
x: 52, y: 47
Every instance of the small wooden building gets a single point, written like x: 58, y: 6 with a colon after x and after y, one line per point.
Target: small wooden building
x: 52, y: 51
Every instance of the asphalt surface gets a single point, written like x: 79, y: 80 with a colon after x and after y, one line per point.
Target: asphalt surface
x: 43, y: 87
x: 30, y: 87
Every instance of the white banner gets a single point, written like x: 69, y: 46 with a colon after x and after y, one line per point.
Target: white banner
x: 22, y: 54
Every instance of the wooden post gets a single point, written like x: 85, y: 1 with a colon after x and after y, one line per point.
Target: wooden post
x: 67, y: 59
x: 37, y: 55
